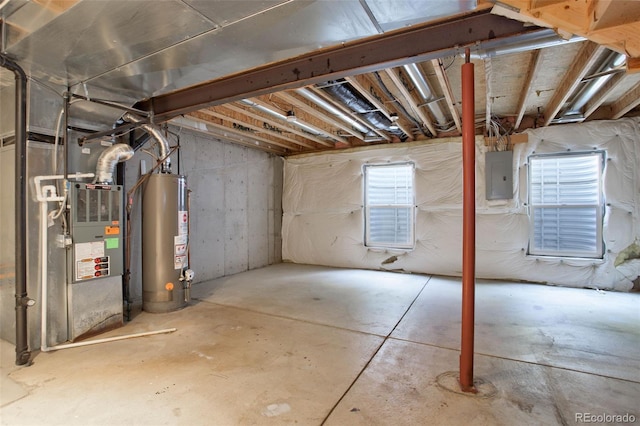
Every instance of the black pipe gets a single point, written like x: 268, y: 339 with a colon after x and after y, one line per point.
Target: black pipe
x: 23, y: 355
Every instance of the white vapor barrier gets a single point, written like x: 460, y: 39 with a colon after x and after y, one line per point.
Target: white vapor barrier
x: 323, y: 216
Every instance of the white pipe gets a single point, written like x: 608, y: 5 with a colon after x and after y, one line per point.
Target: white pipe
x: 44, y: 199
x: 106, y: 339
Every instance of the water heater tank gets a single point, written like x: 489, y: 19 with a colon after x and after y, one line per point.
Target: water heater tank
x: 165, y: 224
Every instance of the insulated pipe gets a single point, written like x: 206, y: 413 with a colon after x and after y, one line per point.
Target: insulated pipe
x: 109, y: 159
x: 23, y: 355
x: 468, y: 226
x: 156, y: 133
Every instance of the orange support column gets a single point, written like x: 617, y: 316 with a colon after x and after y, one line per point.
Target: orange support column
x: 468, y: 225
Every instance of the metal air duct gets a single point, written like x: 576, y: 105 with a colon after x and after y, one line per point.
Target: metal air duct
x: 426, y: 92
x: 612, y: 61
x: 349, y: 97
x: 108, y: 160
x: 330, y: 108
x: 156, y: 133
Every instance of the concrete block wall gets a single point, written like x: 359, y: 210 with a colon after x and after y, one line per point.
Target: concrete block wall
x: 236, y: 206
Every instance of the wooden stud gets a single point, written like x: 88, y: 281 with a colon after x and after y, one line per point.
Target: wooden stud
x: 445, y: 85
x: 524, y: 94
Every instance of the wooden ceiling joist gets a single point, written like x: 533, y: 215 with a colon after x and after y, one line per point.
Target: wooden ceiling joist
x: 594, y: 103
x: 406, y: 95
x: 630, y: 100
x: 360, y: 83
x: 310, y: 109
x: 445, y: 85
x: 321, y: 141
x: 230, y: 134
x: 250, y: 130
x: 587, y: 56
x: 526, y: 89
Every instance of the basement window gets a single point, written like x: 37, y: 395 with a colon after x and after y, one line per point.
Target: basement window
x: 566, y: 204
x: 389, y: 205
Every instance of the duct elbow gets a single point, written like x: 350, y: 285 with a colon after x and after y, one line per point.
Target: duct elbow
x: 108, y: 160
x: 156, y: 133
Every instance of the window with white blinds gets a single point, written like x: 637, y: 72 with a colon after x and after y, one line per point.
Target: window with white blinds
x: 389, y: 205
x: 566, y: 204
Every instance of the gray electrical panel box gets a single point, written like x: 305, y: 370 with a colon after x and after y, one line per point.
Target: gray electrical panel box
x: 96, y: 218
x: 498, y: 168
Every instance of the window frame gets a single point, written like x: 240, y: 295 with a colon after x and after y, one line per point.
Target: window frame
x: 410, y: 245
x: 600, y: 208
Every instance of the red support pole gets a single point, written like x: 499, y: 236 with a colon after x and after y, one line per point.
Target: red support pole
x: 468, y: 225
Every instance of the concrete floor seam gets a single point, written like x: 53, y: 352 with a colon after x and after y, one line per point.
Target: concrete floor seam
x: 291, y: 318
x: 364, y: 368
x: 517, y: 360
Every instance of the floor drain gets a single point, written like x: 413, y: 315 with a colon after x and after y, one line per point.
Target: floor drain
x: 449, y: 381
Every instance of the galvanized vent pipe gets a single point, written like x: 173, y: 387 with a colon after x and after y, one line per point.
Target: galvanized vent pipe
x: 109, y: 159
x: 156, y: 133
x: 426, y: 92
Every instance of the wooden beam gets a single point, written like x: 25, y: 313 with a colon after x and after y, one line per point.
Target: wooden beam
x: 585, y: 59
x: 613, y: 13
x: 321, y: 131
x: 277, y: 124
x: 445, y: 85
x: 395, y: 78
x: 488, y: 72
x: 304, y: 106
x: 359, y: 82
x: 626, y: 103
x: 355, y: 116
x: 633, y: 65
x: 245, y: 128
x: 534, y: 64
x: 602, y: 94
x: 226, y: 133
x: 513, y: 139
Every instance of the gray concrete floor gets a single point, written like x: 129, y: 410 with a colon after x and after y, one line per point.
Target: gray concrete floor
x: 310, y: 345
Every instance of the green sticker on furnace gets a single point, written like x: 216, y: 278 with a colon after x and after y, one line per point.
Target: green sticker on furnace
x: 112, y: 243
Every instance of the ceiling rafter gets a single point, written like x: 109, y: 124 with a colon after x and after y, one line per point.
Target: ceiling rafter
x: 360, y: 83
x: 309, y: 109
x: 354, y: 115
x: 626, y: 103
x: 231, y: 134
x: 445, y: 86
x: 246, y: 128
x: 266, y: 105
x: 534, y: 65
x: 225, y: 111
x: 587, y: 56
x: 597, y: 100
x: 488, y: 75
x: 406, y: 95
x: 355, y: 83
x: 278, y: 124
x: 309, y: 120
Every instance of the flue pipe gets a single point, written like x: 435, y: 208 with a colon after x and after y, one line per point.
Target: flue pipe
x: 23, y: 355
x: 468, y: 226
x: 109, y: 159
x: 156, y: 133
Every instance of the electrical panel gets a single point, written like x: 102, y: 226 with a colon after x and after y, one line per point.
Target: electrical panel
x: 499, y: 175
x: 96, y: 219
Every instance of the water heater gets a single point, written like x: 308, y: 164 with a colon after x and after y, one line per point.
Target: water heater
x: 165, y: 225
